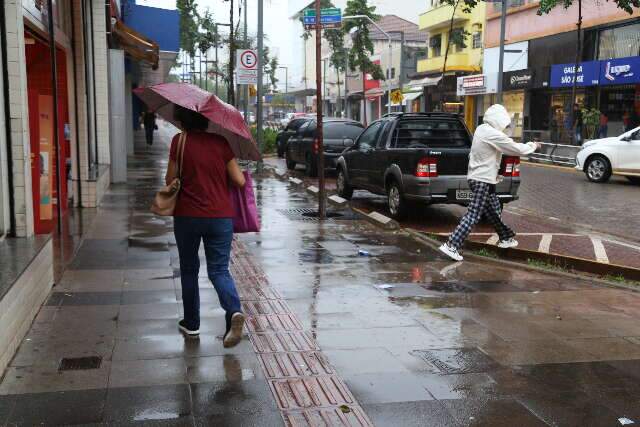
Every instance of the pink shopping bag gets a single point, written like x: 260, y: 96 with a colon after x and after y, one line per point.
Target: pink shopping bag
x: 245, y: 219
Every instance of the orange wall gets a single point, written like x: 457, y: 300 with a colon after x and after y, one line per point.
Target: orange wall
x: 524, y: 24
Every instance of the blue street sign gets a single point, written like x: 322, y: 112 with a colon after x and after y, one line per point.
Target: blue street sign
x: 588, y: 74
x: 620, y: 71
x: 329, y: 18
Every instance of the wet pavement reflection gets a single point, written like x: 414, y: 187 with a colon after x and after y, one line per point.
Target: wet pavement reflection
x: 396, y: 332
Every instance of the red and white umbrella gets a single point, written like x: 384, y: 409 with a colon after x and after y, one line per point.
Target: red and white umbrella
x: 224, y: 119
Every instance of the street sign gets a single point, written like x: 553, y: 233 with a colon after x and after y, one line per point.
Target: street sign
x: 397, y: 97
x: 329, y: 18
x: 247, y: 67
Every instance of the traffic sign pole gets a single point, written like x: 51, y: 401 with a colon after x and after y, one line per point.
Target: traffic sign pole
x: 320, y: 137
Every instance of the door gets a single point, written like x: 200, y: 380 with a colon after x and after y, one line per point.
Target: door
x: 42, y: 161
x: 358, y: 167
x: 295, y: 141
x: 628, y: 154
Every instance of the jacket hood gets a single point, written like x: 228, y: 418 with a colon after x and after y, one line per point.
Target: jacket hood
x: 497, y: 117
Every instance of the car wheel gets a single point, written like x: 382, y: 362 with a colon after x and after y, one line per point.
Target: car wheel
x: 634, y: 179
x: 291, y: 165
x: 396, y: 201
x: 345, y: 190
x: 312, y: 166
x: 598, y: 169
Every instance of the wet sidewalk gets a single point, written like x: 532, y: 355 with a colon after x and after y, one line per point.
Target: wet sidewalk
x: 397, y: 337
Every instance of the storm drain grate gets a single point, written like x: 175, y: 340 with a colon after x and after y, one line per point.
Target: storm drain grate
x: 80, y: 363
x: 456, y: 360
x: 311, y: 215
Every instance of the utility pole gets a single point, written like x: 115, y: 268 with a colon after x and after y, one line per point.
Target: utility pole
x: 346, y: 85
x: 320, y: 137
x: 503, y: 23
x: 286, y: 85
x: 259, y: 129
x: 575, y: 70
x: 245, y: 92
x: 216, y: 59
x: 232, y: 52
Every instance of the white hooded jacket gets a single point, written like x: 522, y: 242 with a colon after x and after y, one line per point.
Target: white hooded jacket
x: 490, y: 143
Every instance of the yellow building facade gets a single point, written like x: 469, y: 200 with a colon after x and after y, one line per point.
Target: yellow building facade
x: 437, y: 21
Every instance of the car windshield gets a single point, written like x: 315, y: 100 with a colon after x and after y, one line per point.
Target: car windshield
x: 342, y: 130
x: 433, y: 132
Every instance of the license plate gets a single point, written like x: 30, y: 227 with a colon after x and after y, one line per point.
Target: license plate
x: 465, y: 195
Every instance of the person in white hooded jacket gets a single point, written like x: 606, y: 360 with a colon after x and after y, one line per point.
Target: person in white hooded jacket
x: 489, y: 144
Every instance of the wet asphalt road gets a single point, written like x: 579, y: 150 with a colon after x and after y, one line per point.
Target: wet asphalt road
x: 400, y: 337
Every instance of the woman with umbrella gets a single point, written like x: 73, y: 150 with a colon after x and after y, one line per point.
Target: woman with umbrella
x: 214, y: 136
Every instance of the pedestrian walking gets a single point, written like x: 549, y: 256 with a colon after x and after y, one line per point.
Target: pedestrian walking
x: 204, y: 212
x: 578, y: 124
x: 149, y: 120
x: 603, y: 128
x: 490, y: 142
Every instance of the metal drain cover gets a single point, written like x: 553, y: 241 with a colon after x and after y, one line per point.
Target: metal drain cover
x: 80, y: 363
x: 311, y: 215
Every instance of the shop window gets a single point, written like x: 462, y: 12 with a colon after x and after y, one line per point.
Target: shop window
x: 458, y: 39
x: 477, y: 40
x: 620, y: 42
x: 436, y: 44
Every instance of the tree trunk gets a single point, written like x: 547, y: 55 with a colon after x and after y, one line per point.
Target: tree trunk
x: 364, y: 98
x: 446, y: 51
x: 575, y: 71
x: 338, y: 105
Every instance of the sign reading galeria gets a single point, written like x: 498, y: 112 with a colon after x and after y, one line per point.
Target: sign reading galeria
x: 620, y: 71
x: 588, y: 74
x: 514, y: 80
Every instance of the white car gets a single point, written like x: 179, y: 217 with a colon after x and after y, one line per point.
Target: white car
x: 618, y: 155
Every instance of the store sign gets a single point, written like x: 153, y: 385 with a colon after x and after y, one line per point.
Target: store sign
x: 514, y: 80
x: 477, y: 85
x: 620, y: 71
x: 562, y: 75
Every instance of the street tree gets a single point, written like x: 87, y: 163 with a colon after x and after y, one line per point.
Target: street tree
x: 271, y: 72
x: 360, y: 53
x: 189, y: 28
x: 455, y: 36
x: 547, y: 6
x: 338, y: 58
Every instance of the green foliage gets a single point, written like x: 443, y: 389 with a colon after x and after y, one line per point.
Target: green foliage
x: 547, y: 6
x: 467, y: 5
x: 189, y: 34
x: 269, y: 141
x: 486, y: 253
x: 208, y: 36
x: 338, y: 58
x: 591, y: 122
x: 458, y: 37
x: 362, y: 49
x: 273, y: 68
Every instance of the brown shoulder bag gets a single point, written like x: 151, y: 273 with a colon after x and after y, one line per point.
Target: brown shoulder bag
x: 164, y: 202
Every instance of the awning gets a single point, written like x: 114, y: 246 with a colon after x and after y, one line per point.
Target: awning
x: 412, y: 96
x: 427, y: 81
x: 136, y: 45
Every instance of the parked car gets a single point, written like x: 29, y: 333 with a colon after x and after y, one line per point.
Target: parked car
x: 338, y: 134
x: 290, y: 116
x: 282, y: 138
x: 618, y: 155
x: 417, y: 157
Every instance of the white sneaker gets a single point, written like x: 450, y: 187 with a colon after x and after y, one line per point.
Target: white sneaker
x: 451, y: 252
x: 506, y: 244
x: 234, y: 335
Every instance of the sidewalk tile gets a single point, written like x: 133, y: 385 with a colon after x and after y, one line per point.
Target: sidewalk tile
x: 156, y: 403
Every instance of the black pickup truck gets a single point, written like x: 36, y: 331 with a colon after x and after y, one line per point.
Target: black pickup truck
x: 302, y: 148
x: 417, y: 157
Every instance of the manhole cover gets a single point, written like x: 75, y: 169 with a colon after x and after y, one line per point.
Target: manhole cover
x: 80, y: 363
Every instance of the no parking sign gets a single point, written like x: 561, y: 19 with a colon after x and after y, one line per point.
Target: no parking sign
x: 247, y: 67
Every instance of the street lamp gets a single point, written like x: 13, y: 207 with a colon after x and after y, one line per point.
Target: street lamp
x: 388, y: 36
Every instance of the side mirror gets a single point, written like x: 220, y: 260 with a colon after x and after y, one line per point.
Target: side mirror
x: 626, y: 138
x: 347, y: 142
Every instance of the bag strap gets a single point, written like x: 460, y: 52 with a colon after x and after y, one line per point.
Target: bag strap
x: 181, y: 143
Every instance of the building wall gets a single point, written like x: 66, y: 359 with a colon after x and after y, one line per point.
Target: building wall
x: 100, y: 63
x: 465, y: 59
x: 4, y: 166
x: 523, y: 23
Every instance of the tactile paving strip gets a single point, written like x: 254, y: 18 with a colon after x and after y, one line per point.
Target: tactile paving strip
x: 303, y: 382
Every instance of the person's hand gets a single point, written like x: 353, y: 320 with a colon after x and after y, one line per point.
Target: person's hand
x: 537, y: 144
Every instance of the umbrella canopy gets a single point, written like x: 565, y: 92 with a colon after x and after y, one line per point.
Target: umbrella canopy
x: 223, y: 118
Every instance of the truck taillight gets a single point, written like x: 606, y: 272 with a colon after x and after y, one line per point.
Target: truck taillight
x: 316, y: 146
x: 427, y: 167
x: 511, y: 167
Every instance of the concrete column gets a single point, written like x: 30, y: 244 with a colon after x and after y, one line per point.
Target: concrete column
x: 19, y: 116
x: 118, y: 131
x: 128, y: 101
x: 81, y: 95
x: 101, y: 65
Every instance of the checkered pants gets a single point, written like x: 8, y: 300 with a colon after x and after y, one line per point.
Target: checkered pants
x: 484, y: 201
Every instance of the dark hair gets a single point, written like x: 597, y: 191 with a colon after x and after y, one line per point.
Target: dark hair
x: 190, y: 120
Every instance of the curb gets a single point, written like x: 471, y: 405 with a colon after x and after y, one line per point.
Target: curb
x: 377, y: 219
x: 574, y: 263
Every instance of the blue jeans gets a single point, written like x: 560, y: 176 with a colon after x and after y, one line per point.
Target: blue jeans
x: 217, y: 234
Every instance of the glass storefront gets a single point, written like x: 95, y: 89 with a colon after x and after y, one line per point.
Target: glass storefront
x: 619, y: 103
x: 514, y: 103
